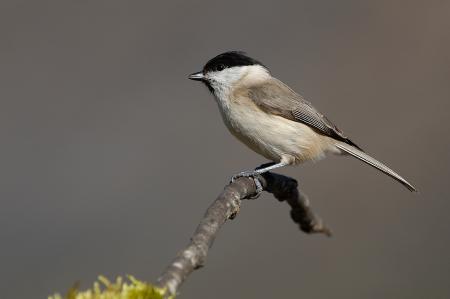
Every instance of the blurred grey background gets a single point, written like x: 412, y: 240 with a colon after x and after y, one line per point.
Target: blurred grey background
x: 110, y: 156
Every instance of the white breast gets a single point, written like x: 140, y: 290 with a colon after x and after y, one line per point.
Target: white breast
x: 272, y: 136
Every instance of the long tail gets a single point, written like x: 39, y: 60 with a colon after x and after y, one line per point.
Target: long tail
x: 374, y: 163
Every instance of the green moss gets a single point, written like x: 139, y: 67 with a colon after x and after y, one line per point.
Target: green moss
x: 120, y: 289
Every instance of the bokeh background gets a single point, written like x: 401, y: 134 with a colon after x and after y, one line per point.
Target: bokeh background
x: 109, y: 155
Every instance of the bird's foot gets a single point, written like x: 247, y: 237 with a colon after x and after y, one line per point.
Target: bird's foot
x: 255, y: 176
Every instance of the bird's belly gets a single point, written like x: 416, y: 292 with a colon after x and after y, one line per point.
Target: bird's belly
x: 275, y: 137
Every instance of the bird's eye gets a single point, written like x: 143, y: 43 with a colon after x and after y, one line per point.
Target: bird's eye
x: 220, y: 67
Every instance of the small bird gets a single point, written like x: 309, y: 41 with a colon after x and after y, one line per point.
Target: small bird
x: 272, y: 119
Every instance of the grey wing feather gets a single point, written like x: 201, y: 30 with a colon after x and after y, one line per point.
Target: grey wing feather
x: 277, y: 98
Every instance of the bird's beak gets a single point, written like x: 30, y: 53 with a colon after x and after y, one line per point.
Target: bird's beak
x: 197, y: 76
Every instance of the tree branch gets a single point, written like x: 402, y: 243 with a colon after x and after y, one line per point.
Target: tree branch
x: 225, y: 207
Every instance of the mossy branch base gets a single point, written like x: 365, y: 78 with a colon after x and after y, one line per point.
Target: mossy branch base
x: 225, y: 207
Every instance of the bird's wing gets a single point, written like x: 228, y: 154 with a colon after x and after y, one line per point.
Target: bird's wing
x: 275, y: 97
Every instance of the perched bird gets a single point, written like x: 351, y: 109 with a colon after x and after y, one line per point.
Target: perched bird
x: 272, y: 119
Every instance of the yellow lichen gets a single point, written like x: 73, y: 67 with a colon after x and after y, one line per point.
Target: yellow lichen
x: 120, y: 289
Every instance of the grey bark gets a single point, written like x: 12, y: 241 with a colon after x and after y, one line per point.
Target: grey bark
x: 227, y: 206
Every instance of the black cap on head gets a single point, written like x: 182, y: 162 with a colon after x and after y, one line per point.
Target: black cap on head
x: 229, y: 59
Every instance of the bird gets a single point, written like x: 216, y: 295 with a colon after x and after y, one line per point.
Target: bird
x: 273, y: 120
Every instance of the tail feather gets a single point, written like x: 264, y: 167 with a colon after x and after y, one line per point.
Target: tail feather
x: 374, y: 163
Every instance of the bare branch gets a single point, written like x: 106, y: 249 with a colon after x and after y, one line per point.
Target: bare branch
x: 225, y: 207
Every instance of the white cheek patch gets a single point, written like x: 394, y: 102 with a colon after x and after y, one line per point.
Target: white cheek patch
x: 227, y: 76
x: 224, y: 80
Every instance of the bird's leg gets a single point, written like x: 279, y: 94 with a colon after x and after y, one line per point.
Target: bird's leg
x: 269, y: 166
x: 259, y: 170
x: 265, y: 165
x: 255, y: 173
